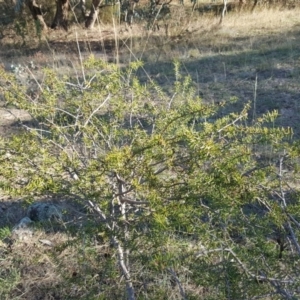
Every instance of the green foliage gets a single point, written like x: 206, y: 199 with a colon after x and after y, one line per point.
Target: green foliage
x: 8, y: 282
x: 4, y: 233
x: 20, y: 27
x: 175, y: 184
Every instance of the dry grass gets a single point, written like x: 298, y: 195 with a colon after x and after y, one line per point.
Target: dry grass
x: 262, y: 21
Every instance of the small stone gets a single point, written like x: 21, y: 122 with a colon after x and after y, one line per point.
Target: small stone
x: 43, y: 211
x: 22, y: 230
x: 46, y: 242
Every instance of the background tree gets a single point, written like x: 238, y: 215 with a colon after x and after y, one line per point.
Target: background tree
x: 61, y: 16
x: 62, y: 13
x: 36, y: 13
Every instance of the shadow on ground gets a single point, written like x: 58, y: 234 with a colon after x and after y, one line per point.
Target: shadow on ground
x: 266, y: 74
x: 263, y: 70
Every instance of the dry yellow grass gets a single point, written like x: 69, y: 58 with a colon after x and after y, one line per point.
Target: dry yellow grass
x: 262, y: 21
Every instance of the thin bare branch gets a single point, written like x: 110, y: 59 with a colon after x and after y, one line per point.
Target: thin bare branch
x: 233, y: 122
x: 181, y: 289
x: 96, y: 110
x: 244, y: 267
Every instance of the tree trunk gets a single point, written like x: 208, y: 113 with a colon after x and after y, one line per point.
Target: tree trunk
x: 223, y: 11
x: 83, y: 8
x: 91, y: 19
x: 61, y: 16
x: 36, y: 13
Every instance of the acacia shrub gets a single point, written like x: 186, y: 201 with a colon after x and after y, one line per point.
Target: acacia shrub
x: 179, y: 191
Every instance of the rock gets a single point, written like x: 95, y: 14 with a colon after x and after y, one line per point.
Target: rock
x: 46, y: 242
x: 44, y: 211
x: 22, y: 230
x: 37, y: 212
